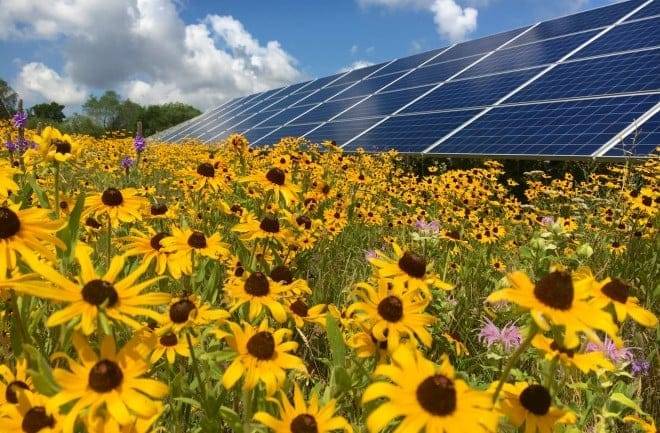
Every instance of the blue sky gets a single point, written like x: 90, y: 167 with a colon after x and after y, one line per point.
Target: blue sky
x: 204, y: 51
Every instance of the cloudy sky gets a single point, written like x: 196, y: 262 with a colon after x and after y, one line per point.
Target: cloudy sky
x: 203, y: 52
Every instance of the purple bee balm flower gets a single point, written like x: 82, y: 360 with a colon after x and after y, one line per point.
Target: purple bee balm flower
x: 428, y: 227
x: 640, y: 367
x: 19, y: 120
x: 509, y: 337
x: 139, y: 143
x: 127, y: 162
x: 547, y: 221
x: 609, y: 349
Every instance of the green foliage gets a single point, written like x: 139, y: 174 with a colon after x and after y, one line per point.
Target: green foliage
x: 159, y: 117
x: 48, y: 112
x: 8, y: 100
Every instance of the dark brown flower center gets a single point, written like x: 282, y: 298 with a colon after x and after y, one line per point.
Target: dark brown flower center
x: 197, y: 240
x: 413, y: 264
x: 9, y: 223
x: 180, y: 311
x: 536, y: 399
x: 305, y: 221
x: 270, y: 225
x: 158, y: 209
x: 112, y: 197
x: 64, y: 205
x: 616, y: 290
x: 97, y: 292
x: 304, y: 423
x: 437, y: 395
x: 206, y: 169
x: 91, y: 222
x: 10, y: 392
x: 257, y: 284
x: 276, y: 176
x: 561, y: 349
x: 62, y: 147
x: 555, y: 290
x: 37, y: 419
x: 391, y: 309
x: 646, y: 200
x: 170, y: 339
x: 155, y: 240
x: 261, y: 345
x: 300, y: 308
x: 282, y: 274
x: 105, y: 376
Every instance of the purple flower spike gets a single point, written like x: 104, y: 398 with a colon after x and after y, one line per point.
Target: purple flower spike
x: 139, y: 143
x: 19, y: 120
x: 127, y: 162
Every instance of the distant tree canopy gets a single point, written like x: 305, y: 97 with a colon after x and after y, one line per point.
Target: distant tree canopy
x: 48, y: 112
x: 8, y: 100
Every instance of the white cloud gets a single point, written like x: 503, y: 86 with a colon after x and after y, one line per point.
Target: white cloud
x: 356, y: 65
x: 37, y: 81
x: 143, y: 48
x: 453, y: 21
x: 354, y: 50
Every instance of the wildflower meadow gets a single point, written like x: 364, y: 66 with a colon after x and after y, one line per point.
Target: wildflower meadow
x: 295, y: 288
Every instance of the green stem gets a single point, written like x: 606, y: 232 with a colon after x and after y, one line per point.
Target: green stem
x: 533, y: 330
x: 109, y: 245
x: 193, y: 281
x: 19, y: 320
x: 552, y: 369
x: 202, y: 387
x: 57, y: 189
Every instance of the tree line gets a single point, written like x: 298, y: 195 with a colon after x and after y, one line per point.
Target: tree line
x: 105, y: 113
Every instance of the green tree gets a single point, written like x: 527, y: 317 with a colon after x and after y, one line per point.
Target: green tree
x: 104, y: 110
x: 8, y: 100
x: 79, y: 124
x: 53, y: 112
x: 129, y: 115
x: 159, y: 117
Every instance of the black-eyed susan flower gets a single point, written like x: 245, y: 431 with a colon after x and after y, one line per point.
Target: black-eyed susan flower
x: 120, y: 206
x: 585, y: 362
x: 7, y: 184
x: 262, y: 355
x: 183, y: 243
x: 392, y: 314
x: 531, y: 405
x: 297, y: 416
x: 258, y: 291
x: 616, y: 292
x: 301, y: 312
x: 561, y: 299
x: 427, y: 396
x: 28, y: 229
x: 366, y: 345
x: 52, y: 145
x: 205, y: 175
x: 269, y: 227
x: 96, y: 421
x: 644, y: 425
x: 112, y: 378
x: 148, y: 246
x: 278, y: 181
x: 12, y: 382
x: 32, y: 413
x: 120, y: 299
x: 456, y: 343
x: 169, y: 344
x: 189, y: 310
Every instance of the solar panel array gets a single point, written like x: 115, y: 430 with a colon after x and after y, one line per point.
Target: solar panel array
x: 585, y: 85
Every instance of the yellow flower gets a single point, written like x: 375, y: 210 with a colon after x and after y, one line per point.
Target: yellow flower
x: 149, y: 248
x: 427, y: 396
x: 277, y: 181
x: 301, y: 313
x: 647, y: 426
x: 585, y: 362
x: 12, y: 382
x: 301, y: 417
x: 120, y: 300
x: 119, y: 205
x: 269, y: 227
x: 32, y: 413
x: 531, y: 405
x: 184, y: 242
x: 561, y: 299
x: 613, y: 291
x: 114, y: 379
x: 7, y: 184
x: 188, y: 310
x: 261, y: 356
x: 52, y: 145
x: 392, y: 314
x: 258, y: 291
x: 169, y: 344
x: 96, y: 422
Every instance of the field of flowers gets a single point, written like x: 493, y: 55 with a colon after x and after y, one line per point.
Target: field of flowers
x: 191, y: 288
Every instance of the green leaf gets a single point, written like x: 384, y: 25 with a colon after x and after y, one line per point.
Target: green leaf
x: 40, y: 371
x: 189, y: 401
x: 231, y: 418
x: 41, y: 194
x: 69, y: 234
x: 626, y: 401
x: 336, y: 341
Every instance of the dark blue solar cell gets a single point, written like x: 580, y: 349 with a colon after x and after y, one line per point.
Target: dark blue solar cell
x: 410, y: 62
x: 383, y: 104
x: 625, y: 37
x: 432, y: 74
x: 242, y: 125
x: 290, y: 100
x: 632, y: 72
x: 284, y: 116
x: 649, y: 10
x: 325, y: 112
x: 412, y: 133
x: 583, y: 21
x: 536, y: 54
x: 340, y: 132
x: 368, y: 86
x: 358, y: 74
x: 471, y: 93
x: 323, y: 94
x: 324, y: 81
x: 575, y: 128
x: 642, y: 142
x: 285, y: 131
x: 255, y: 134
x: 478, y: 46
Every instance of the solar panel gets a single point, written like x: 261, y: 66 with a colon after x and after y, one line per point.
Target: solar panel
x: 571, y: 128
x: 568, y: 87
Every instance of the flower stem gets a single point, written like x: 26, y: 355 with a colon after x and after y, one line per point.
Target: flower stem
x: 109, y: 245
x: 202, y: 387
x: 533, y: 330
x: 552, y: 369
x: 19, y: 321
x: 57, y: 189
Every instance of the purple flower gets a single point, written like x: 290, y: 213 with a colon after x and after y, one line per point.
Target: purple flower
x: 371, y: 254
x: 19, y: 120
x: 508, y: 337
x: 547, y: 220
x: 127, y: 162
x: 640, y: 367
x: 609, y: 349
x: 20, y: 145
x: 139, y: 143
x: 428, y: 227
